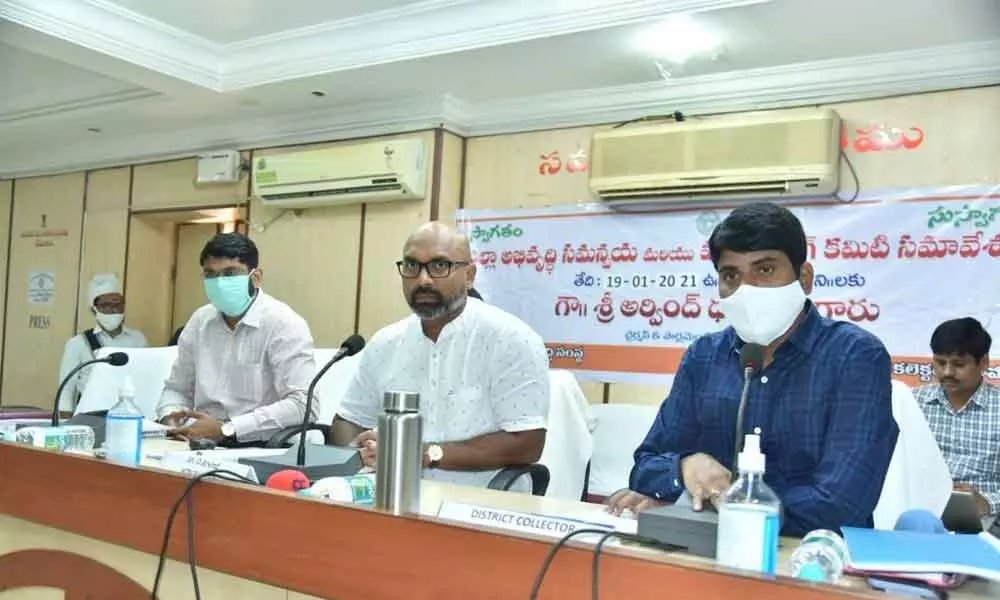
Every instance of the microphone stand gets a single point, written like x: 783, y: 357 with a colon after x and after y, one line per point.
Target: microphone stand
x: 300, y: 458
x: 748, y: 372
x: 752, y: 360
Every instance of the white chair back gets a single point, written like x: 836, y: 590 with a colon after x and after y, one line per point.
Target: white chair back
x: 918, y: 477
x: 568, y: 443
x: 618, y: 431
x: 333, y: 385
x: 148, y: 368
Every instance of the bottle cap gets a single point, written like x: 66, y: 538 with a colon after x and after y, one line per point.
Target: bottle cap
x: 127, y: 389
x: 751, y: 459
x: 400, y: 402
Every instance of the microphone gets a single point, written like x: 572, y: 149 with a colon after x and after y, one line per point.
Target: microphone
x: 288, y: 480
x: 751, y: 361
x: 351, y: 346
x: 324, y: 461
x: 115, y: 359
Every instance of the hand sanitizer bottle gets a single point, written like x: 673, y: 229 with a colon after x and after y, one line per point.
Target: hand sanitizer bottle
x: 749, y: 516
x: 123, y: 431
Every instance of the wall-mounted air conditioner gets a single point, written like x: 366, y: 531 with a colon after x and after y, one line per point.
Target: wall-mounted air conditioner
x: 368, y: 172
x: 784, y: 153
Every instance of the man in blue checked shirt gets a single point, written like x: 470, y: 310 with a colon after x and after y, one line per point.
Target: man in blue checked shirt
x: 822, y: 400
x: 963, y: 410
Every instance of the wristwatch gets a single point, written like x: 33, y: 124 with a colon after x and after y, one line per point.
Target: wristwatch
x: 434, y: 455
x: 228, y: 430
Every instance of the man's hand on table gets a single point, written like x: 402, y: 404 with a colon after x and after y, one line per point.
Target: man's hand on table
x: 705, y: 479
x: 175, y: 419
x: 981, y: 503
x: 365, y: 443
x: 203, y: 426
x: 625, y: 499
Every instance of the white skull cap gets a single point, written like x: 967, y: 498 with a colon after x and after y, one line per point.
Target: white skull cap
x: 102, y: 283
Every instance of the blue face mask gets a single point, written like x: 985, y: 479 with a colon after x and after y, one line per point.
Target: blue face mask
x: 229, y: 294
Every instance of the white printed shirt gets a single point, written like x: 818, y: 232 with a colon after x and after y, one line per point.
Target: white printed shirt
x: 77, y: 351
x: 256, y: 375
x: 969, y: 438
x: 487, y: 372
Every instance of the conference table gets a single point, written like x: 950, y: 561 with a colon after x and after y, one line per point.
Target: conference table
x: 75, y: 527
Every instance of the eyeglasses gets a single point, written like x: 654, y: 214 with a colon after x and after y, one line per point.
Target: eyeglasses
x: 110, y: 307
x: 437, y: 269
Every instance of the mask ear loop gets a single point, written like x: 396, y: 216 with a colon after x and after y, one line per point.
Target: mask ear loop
x: 251, y: 290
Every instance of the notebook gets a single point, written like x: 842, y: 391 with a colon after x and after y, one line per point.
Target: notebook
x: 944, y: 581
x: 152, y: 429
x: 917, y: 552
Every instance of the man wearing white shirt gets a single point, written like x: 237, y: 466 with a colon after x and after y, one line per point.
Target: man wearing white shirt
x: 482, y: 374
x: 244, y: 361
x: 108, y: 306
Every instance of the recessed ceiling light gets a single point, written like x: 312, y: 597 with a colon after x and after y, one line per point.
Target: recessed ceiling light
x: 94, y: 129
x: 679, y: 38
x: 318, y: 93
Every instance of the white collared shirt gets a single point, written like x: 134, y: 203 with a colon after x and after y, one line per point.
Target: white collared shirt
x: 487, y: 372
x: 255, y: 375
x: 77, y: 351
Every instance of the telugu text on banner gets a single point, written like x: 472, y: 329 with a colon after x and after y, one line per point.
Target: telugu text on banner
x: 618, y: 296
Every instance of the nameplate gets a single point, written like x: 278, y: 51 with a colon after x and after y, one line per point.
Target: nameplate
x: 196, y: 463
x: 523, y: 522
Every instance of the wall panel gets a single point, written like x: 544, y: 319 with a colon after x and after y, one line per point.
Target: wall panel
x: 189, y: 294
x: 45, y: 248
x: 105, y: 234
x: 149, y: 284
x: 6, y: 202
x: 450, y: 186
x: 172, y: 184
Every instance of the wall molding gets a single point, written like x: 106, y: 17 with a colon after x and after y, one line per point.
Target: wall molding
x: 259, y: 132
x: 430, y: 28
x: 78, y: 105
x: 819, y: 82
x: 822, y: 82
x: 109, y: 29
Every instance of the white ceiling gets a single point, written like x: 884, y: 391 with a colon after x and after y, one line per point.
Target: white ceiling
x: 228, y: 21
x: 162, y: 79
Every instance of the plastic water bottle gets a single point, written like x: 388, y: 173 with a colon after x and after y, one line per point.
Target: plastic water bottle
x: 123, y: 432
x: 353, y: 489
x: 749, y: 516
x: 820, y: 557
x: 65, y: 438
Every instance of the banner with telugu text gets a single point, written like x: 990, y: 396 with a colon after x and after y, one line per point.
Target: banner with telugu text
x: 617, y: 296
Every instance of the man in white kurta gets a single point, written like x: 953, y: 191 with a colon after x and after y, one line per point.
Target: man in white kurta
x: 108, y: 307
x: 482, y: 374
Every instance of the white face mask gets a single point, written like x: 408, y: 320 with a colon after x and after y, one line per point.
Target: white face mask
x: 761, y: 315
x: 109, y: 322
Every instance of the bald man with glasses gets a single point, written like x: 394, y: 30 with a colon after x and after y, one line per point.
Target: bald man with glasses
x: 482, y: 374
